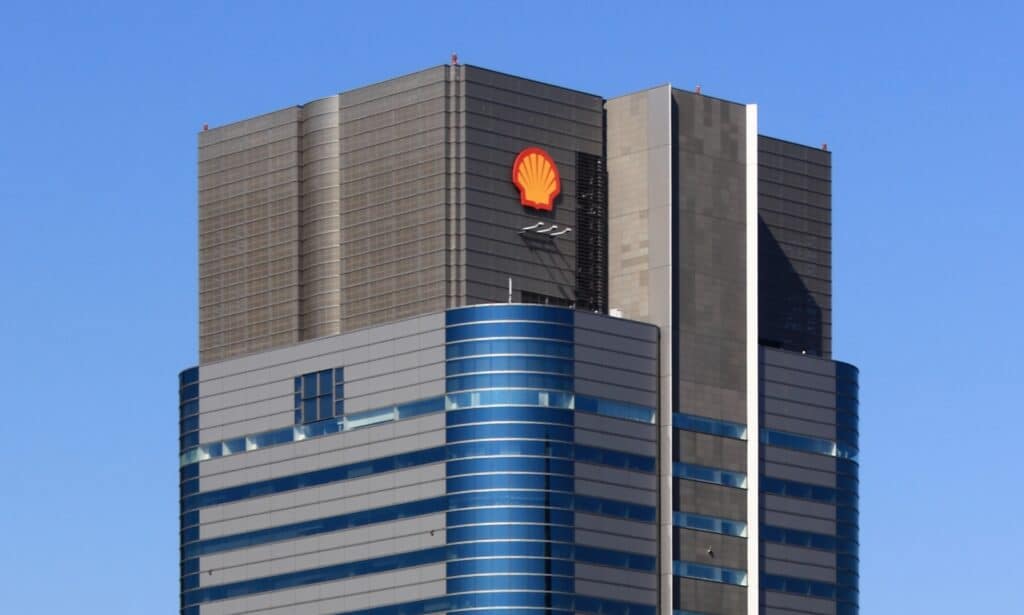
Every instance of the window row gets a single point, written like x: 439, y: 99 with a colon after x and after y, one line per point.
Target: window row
x: 297, y: 433
x: 709, y: 524
x: 807, y: 491
x: 477, y: 365
x: 404, y: 560
x: 807, y: 444
x: 454, y: 401
x: 705, y: 474
x: 704, y: 572
x: 314, y: 478
x: 463, y: 509
x: 509, y: 465
x: 505, y: 330
x: 484, y: 313
x: 505, y: 532
x: 811, y: 540
x: 509, y: 380
x: 488, y: 482
x: 523, y: 603
x: 706, y: 425
x: 806, y: 587
x: 541, y: 451
x: 528, y: 347
x: 516, y: 582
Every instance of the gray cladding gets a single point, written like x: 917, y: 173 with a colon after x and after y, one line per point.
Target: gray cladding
x: 502, y: 115
x: 795, y: 246
x: 798, y: 396
x: 384, y: 365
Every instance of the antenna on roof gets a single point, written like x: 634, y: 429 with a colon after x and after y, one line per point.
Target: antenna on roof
x: 698, y: 89
x: 455, y: 59
x: 206, y: 127
x: 824, y: 146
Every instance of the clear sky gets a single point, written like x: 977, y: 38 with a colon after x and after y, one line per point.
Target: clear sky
x: 101, y: 101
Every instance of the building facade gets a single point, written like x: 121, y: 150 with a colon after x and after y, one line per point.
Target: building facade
x: 470, y: 342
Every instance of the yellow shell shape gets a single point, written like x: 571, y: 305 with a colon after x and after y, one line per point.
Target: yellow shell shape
x: 536, y: 176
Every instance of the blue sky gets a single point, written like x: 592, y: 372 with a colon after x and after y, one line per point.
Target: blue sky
x: 920, y: 103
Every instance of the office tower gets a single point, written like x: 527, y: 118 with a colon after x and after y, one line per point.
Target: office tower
x: 473, y: 342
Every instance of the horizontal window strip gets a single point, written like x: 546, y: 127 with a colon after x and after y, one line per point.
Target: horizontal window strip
x: 543, y: 452
x: 509, y: 380
x: 316, y: 526
x: 512, y: 347
x: 807, y: 587
x: 709, y: 524
x: 504, y: 397
x: 298, y: 433
x: 523, y: 603
x: 709, y: 475
x: 513, y: 312
x: 505, y: 330
x: 468, y: 504
x: 515, y: 582
x: 490, y: 364
x: 810, y: 540
x: 615, y: 409
x: 500, y: 398
x: 701, y: 424
x: 807, y: 444
x: 402, y: 560
x: 317, y: 477
x: 716, y: 574
x: 315, y: 575
x: 807, y: 491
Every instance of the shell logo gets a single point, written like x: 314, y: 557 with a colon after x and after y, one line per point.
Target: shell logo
x: 536, y: 176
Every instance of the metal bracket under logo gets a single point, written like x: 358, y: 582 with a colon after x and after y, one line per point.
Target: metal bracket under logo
x: 543, y: 229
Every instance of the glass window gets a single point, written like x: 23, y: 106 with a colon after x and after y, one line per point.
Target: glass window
x: 309, y: 386
x: 508, y: 312
x: 709, y: 475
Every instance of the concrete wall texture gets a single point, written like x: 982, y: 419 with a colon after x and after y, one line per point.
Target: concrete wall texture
x: 337, y: 233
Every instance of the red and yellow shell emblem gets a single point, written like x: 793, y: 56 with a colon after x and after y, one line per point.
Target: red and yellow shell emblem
x: 536, y: 176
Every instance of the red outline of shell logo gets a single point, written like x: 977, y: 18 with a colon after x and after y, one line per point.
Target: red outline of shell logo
x: 536, y: 176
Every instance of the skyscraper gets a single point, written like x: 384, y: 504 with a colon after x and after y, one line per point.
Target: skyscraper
x: 473, y: 342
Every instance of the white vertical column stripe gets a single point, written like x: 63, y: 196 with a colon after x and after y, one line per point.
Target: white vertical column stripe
x: 753, y: 414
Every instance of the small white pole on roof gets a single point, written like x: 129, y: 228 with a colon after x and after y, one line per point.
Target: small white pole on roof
x: 510, y: 289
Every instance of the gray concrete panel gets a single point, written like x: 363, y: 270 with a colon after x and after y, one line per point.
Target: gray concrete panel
x: 315, y: 502
x: 798, y: 506
x: 323, y: 550
x: 726, y: 551
x: 615, y: 525
x: 802, y: 604
x: 812, y: 557
x: 614, y: 476
x: 709, y: 597
x: 800, y: 459
x: 800, y: 571
x: 799, y: 522
x: 339, y: 596
x: 613, y: 426
x: 617, y: 576
x: 611, y: 590
x: 616, y: 542
x: 616, y: 492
